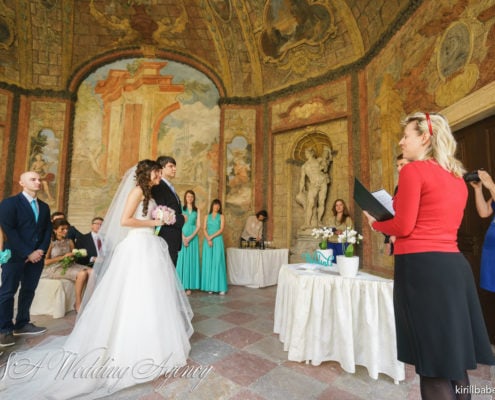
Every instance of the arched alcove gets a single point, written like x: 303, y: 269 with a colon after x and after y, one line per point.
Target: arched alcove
x: 136, y: 108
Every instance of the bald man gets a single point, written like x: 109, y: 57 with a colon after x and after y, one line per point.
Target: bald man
x: 25, y: 220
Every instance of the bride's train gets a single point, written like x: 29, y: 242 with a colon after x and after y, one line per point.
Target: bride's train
x: 135, y: 328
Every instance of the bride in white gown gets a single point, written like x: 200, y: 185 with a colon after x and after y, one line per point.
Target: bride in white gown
x: 135, y: 322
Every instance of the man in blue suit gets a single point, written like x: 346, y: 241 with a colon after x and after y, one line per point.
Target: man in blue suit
x: 25, y: 221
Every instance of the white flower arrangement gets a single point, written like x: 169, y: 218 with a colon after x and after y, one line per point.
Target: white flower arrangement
x: 324, y: 233
x: 349, y: 238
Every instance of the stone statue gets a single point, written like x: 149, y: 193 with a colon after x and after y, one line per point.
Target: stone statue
x: 313, y: 185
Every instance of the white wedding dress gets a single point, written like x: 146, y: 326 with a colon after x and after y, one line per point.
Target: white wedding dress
x: 135, y: 327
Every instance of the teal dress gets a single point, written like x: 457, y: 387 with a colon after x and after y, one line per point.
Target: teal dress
x: 213, y: 267
x: 188, y: 259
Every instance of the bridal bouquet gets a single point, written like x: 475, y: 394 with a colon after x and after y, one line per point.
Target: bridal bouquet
x: 69, y: 260
x: 349, y: 238
x: 164, y: 214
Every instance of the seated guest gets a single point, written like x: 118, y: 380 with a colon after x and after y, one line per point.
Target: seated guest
x: 57, y: 268
x: 253, y: 229
x: 73, y: 233
x: 92, y: 242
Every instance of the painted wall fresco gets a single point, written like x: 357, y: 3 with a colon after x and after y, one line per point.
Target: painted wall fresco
x: 45, y: 148
x: 310, y: 107
x: 3, y: 118
x: 240, y: 139
x: 141, y: 108
x: 44, y: 156
x: 439, y: 59
x: 4, y: 102
x: 289, y: 24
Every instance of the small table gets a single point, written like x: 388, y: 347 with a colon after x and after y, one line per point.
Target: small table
x: 255, y: 268
x: 321, y: 316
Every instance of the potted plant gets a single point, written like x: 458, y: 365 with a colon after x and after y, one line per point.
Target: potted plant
x: 348, y: 264
x: 324, y: 255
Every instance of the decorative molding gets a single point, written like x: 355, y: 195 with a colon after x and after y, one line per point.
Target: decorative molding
x: 472, y: 108
x: 214, y: 30
x: 249, y: 41
x: 81, y: 73
x: 334, y: 74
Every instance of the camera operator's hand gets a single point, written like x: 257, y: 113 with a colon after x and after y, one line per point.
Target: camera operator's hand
x: 484, y: 206
x: 476, y: 184
x: 486, y: 179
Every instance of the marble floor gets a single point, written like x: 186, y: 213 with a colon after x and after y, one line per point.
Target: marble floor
x: 236, y: 356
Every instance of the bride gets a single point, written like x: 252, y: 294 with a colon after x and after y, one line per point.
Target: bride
x: 135, y: 322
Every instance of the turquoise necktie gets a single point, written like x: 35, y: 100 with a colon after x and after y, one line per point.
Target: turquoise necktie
x: 35, y: 209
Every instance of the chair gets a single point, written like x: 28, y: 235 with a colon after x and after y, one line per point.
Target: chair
x: 53, y: 297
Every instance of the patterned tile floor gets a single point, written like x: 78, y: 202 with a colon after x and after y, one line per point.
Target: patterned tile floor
x: 239, y: 357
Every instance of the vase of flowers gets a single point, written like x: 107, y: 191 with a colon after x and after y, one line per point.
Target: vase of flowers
x: 324, y: 255
x: 348, y: 264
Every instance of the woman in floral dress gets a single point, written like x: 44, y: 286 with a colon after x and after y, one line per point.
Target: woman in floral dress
x: 59, y: 249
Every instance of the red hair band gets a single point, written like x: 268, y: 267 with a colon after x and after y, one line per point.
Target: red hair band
x: 428, y: 121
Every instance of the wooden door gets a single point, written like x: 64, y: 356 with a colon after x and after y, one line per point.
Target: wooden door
x: 477, y: 150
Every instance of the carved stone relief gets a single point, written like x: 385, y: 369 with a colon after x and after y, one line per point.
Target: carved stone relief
x: 454, y: 54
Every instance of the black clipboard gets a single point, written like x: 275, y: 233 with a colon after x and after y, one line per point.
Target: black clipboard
x: 369, y: 203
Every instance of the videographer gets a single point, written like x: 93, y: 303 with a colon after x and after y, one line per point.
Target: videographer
x: 253, y: 229
x: 485, y: 209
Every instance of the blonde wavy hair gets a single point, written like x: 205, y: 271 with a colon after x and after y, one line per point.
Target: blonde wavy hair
x: 443, y: 146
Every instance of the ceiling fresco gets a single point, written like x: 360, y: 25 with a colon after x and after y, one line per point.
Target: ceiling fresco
x: 254, y: 47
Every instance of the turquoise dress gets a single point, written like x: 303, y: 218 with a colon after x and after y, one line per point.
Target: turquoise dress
x: 213, y: 267
x: 188, y: 260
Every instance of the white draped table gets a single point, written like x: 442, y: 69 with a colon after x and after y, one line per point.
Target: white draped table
x: 321, y: 316
x: 255, y: 268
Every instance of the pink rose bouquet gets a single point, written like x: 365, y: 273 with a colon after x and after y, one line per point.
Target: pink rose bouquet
x: 164, y: 214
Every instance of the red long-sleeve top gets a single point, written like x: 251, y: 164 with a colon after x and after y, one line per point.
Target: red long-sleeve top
x: 429, y: 206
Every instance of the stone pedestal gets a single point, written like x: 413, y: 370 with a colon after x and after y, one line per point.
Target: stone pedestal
x: 304, y: 243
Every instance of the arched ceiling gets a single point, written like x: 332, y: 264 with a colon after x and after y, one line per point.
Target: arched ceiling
x: 254, y: 47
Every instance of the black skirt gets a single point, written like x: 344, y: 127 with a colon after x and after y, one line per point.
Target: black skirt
x: 439, y: 322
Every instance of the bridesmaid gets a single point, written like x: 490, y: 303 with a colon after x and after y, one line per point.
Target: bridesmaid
x: 214, y: 271
x: 188, y: 260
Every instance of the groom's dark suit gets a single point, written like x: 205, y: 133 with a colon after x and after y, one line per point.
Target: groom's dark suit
x: 172, y: 234
x: 24, y: 235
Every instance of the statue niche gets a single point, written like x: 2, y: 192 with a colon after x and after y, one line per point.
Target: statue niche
x: 314, y: 184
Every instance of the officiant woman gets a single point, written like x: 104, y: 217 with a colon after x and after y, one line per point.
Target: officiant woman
x: 439, y: 323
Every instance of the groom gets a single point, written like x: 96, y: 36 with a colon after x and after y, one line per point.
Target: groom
x: 165, y: 195
x: 25, y: 220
